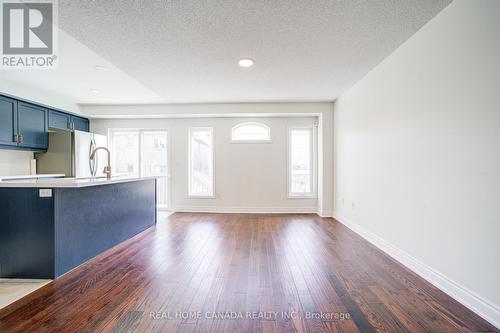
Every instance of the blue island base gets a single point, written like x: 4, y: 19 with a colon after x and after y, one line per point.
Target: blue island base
x: 45, y: 237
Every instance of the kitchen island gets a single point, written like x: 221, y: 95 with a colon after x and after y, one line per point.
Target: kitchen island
x: 50, y: 226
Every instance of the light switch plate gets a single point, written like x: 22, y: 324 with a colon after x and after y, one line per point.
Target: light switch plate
x: 45, y: 193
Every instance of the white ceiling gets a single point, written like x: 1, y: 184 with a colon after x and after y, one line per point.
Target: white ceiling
x: 75, y: 77
x: 186, y: 51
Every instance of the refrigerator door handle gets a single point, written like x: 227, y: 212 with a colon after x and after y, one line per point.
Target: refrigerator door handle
x: 92, y: 163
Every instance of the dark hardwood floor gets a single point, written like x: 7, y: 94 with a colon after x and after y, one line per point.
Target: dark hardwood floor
x: 274, y: 273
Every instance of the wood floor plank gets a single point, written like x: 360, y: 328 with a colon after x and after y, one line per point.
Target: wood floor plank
x: 273, y: 273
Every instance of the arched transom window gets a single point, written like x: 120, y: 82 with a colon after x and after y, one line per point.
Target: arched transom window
x: 251, y: 132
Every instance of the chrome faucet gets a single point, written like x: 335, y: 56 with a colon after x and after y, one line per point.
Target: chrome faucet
x: 107, y: 169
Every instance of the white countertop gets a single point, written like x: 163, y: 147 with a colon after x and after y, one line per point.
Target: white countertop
x: 54, y: 175
x: 71, y: 182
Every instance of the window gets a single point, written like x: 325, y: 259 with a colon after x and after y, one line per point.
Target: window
x: 154, y: 161
x: 201, y: 162
x: 250, y: 132
x: 300, y: 162
x: 142, y: 153
x: 125, y: 151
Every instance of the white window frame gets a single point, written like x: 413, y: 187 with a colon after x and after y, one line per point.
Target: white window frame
x: 190, y: 131
x: 235, y: 127
x: 314, y: 188
x: 169, y: 152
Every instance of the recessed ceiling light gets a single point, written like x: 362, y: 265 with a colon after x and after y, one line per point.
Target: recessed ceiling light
x: 94, y: 90
x: 246, y: 62
x: 100, y: 68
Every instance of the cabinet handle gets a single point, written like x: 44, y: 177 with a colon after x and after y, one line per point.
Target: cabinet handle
x: 16, y: 138
x: 20, y: 139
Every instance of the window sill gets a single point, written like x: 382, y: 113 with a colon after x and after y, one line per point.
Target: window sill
x: 302, y: 196
x: 250, y: 141
x: 201, y: 197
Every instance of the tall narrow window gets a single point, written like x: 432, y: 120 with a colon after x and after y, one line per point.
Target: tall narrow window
x: 201, y: 162
x: 154, y: 161
x: 300, y: 164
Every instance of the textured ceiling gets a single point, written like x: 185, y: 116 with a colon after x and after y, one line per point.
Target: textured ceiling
x: 187, y: 51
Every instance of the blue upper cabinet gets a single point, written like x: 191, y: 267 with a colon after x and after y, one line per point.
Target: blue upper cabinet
x: 25, y: 126
x: 59, y: 120
x: 32, y: 124
x: 8, y: 121
x: 80, y: 124
x: 66, y: 122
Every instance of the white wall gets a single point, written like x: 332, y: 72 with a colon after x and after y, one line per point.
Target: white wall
x: 37, y: 95
x: 248, y: 177
x: 15, y: 162
x: 417, y: 151
x: 324, y: 111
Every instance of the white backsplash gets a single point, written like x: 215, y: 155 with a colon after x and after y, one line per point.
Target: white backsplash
x: 14, y: 162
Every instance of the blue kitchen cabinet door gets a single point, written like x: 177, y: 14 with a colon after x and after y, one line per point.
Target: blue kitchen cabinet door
x: 80, y: 124
x: 59, y: 120
x: 8, y: 121
x: 32, y: 124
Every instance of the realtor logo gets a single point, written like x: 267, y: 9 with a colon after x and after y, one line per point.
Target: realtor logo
x: 28, y: 34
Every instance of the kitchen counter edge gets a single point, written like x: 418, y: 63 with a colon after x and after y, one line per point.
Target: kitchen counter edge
x: 70, y: 182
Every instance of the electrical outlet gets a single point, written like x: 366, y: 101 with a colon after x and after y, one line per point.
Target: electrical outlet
x: 343, y: 202
x: 45, y: 193
x: 352, y: 205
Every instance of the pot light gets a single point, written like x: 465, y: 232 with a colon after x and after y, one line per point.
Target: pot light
x: 94, y: 90
x: 246, y: 62
x: 100, y: 68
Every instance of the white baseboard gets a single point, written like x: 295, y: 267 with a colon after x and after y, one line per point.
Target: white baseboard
x: 247, y: 210
x: 324, y: 213
x: 468, y: 298
x: 165, y: 213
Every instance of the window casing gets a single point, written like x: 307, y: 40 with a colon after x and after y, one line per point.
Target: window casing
x: 251, y: 132
x: 301, y: 162
x: 201, y: 162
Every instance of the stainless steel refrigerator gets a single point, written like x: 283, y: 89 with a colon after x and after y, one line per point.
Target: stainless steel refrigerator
x: 69, y: 153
